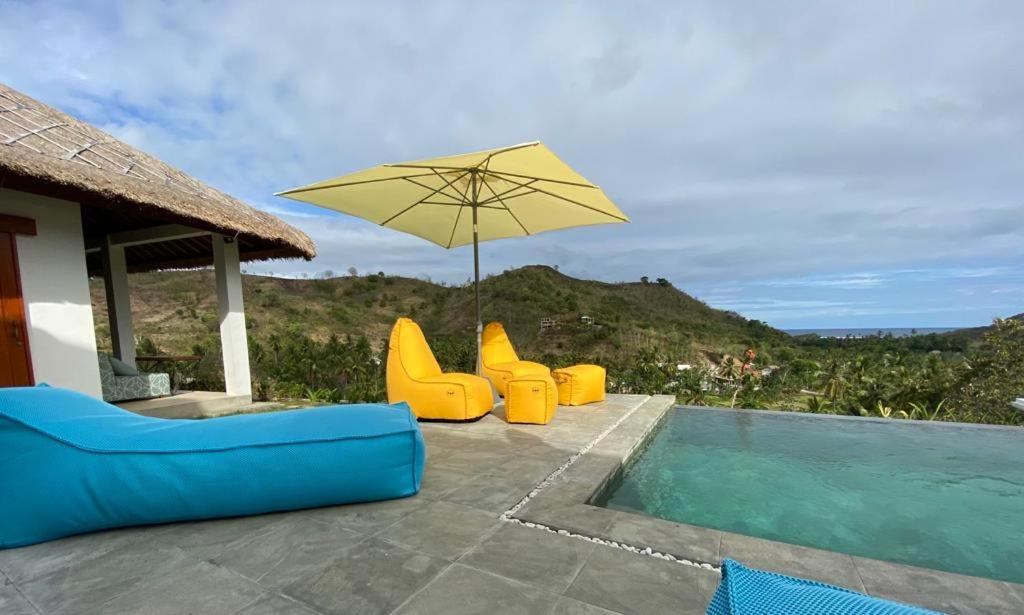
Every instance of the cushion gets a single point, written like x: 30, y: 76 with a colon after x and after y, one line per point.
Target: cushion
x: 580, y: 384
x: 70, y: 463
x: 501, y: 373
x: 531, y: 399
x: 756, y: 592
x: 121, y: 368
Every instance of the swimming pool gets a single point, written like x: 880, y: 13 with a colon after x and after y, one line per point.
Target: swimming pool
x: 943, y: 496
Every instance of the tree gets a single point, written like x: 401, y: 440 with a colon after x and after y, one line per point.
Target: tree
x: 352, y: 271
x: 645, y: 280
x: 995, y: 374
x: 663, y: 282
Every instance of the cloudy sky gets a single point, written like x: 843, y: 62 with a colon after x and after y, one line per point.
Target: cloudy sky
x: 811, y: 164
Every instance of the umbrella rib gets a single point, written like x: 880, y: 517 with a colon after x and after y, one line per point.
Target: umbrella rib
x: 499, y: 196
x: 558, y: 196
x: 428, y: 187
x: 514, y: 217
x: 345, y: 184
x: 423, y: 199
x: 458, y: 216
x: 544, y: 179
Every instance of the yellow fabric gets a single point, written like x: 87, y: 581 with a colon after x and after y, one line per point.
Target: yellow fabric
x: 413, y: 376
x: 500, y: 361
x: 520, y: 190
x: 579, y: 384
x: 531, y: 399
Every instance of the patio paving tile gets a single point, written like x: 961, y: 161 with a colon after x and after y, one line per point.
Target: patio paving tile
x: 443, y: 529
x: 374, y: 576
x: 211, y: 590
x: 440, y: 481
x: 274, y: 604
x: 493, y: 492
x: 464, y: 591
x: 283, y: 551
x: 568, y: 606
x: 368, y: 518
x: 825, y: 566
x: 11, y: 600
x: 539, y: 558
x: 206, y: 539
x: 89, y: 584
x: 630, y: 583
x: 26, y: 563
x: 942, y: 591
x: 692, y: 542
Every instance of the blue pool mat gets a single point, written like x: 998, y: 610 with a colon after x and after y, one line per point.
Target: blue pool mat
x: 744, y: 591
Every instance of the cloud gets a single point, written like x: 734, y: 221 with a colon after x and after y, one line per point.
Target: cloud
x: 793, y: 151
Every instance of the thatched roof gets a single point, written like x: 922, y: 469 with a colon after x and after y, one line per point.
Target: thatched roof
x: 45, y: 151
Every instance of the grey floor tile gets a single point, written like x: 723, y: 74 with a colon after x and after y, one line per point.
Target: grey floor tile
x: 198, y: 587
x: 942, y: 591
x: 85, y: 585
x: 825, y: 566
x: 11, y: 600
x: 370, y: 517
x: 26, y: 563
x: 491, y: 492
x: 691, y: 542
x: 629, y: 583
x: 374, y: 576
x: 274, y: 604
x: 207, y: 539
x: 442, y: 480
x: 577, y: 518
x: 568, y: 606
x: 530, y: 555
x: 285, y: 550
x: 443, y: 529
x: 465, y: 591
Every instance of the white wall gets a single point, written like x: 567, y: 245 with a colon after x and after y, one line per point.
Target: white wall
x: 55, y: 285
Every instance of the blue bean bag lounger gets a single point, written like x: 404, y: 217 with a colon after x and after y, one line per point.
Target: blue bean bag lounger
x: 70, y: 463
x: 746, y: 591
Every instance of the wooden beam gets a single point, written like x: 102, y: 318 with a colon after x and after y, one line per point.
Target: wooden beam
x: 17, y: 225
x: 150, y: 234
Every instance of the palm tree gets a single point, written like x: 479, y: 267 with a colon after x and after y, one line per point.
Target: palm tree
x: 834, y: 379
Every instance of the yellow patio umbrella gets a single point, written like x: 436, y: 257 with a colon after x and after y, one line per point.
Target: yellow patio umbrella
x: 456, y: 200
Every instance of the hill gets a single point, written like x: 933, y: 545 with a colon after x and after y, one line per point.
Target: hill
x: 178, y: 309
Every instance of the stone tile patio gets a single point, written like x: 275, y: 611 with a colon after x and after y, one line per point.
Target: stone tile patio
x: 463, y: 545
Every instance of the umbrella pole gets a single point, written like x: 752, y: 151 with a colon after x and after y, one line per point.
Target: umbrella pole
x: 476, y: 286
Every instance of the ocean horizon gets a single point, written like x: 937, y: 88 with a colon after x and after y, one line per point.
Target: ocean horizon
x: 869, y: 331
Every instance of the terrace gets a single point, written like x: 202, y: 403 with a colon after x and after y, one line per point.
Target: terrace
x: 502, y: 523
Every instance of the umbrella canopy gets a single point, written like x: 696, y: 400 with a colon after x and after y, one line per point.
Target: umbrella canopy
x: 457, y: 200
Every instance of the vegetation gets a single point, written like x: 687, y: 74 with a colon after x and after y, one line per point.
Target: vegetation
x: 325, y: 339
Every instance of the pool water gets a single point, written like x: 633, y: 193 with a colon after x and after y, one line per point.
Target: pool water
x: 941, y: 496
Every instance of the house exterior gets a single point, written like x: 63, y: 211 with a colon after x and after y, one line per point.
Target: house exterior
x: 75, y: 202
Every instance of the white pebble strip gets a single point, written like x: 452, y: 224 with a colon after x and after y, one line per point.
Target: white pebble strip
x: 648, y: 551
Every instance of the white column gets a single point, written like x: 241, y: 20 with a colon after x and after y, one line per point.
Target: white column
x: 233, y: 340
x: 119, y: 301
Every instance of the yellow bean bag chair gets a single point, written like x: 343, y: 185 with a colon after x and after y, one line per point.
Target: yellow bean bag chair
x: 415, y: 378
x: 579, y: 384
x: 500, y: 361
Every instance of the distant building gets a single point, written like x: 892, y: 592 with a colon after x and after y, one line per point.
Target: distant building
x: 586, y: 320
x: 548, y: 323
x: 682, y: 367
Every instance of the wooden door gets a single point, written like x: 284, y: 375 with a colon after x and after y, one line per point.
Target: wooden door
x: 15, y: 361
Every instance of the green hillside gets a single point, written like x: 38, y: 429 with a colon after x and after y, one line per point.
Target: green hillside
x: 178, y: 309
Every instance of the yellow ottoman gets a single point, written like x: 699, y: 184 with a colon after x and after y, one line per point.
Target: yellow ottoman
x: 530, y: 399
x: 579, y: 384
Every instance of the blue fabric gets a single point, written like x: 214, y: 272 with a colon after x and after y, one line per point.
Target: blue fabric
x: 756, y: 592
x: 70, y: 463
